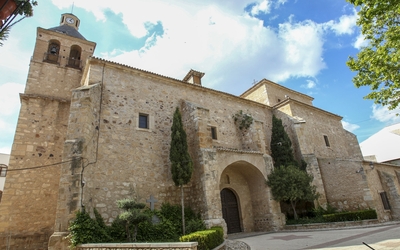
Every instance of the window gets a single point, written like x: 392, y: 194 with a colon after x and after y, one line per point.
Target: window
x: 3, y: 170
x: 385, y: 200
x: 143, y: 121
x: 214, y: 133
x: 74, y: 59
x: 326, y: 141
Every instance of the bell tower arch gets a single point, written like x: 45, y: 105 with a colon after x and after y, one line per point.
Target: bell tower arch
x: 55, y: 70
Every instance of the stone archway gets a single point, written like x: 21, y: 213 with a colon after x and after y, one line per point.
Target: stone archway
x: 230, y: 210
x: 244, y: 182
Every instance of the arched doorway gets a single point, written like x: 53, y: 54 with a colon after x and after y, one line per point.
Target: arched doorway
x: 230, y: 210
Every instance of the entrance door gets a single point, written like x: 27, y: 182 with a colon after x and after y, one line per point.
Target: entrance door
x: 230, y: 211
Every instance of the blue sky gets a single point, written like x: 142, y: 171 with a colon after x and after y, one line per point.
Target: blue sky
x: 302, y: 44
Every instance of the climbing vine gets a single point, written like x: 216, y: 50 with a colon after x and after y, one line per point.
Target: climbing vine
x: 242, y: 120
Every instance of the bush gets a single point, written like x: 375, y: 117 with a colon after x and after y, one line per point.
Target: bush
x: 207, y: 239
x: 84, y: 229
x: 320, y: 211
x: 351, y: 216
x: 164, y: 231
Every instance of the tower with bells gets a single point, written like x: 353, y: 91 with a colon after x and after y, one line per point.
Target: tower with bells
x: 34, y: 173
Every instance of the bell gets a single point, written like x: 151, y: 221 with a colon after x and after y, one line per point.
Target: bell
x: 53, y: 50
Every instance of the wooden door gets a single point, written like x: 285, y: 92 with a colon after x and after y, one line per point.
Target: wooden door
x: 230, y: 211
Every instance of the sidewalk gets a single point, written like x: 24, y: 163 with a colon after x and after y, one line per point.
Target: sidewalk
x: 385, y: 236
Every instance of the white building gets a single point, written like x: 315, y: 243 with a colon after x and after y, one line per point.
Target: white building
x: 383, y: 146
x: 4, y: 160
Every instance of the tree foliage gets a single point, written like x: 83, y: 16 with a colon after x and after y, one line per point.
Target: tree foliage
x: 181, y: 162
x: 133, y: 214
x: 281, y: 146
x: 25, y: 9
x: 291, y: 184
x: 377, y: 64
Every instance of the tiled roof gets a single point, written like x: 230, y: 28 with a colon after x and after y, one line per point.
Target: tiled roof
x: 68, y: 30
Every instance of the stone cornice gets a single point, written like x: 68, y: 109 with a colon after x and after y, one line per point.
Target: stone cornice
x: 44, y: 97
x: 233, y: 150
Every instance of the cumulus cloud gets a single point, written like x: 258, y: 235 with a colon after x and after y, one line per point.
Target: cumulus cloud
x: 202, y: 38
x: 345, y: 25
x: 310, y: 84
x: 349, y: 127
x: 383, y: 114
x: 262, y: 7
x: 9, y: 98
x: 360, y: 42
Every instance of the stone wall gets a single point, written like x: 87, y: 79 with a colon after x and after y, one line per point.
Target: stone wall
x: 140, y: 246
x: 133, y: 161
x: 270, y: 93
x: 346, y: 186
x: 384, y: 178
x: 29, y: 201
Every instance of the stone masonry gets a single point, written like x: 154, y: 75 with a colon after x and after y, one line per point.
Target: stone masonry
x: 79, y: 144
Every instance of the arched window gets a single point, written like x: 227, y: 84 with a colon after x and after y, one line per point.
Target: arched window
x: 52, y: 54
x: 74, y: 59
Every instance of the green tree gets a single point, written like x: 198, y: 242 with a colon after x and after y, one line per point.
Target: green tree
x: 281, y: 146
x: 25, y: 8
x: 133, y: 215
x: 378, y: 64
x: 291, y: 184
x: 181, y: 162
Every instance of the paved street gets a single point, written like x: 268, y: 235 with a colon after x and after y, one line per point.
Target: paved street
x: 382, y: 237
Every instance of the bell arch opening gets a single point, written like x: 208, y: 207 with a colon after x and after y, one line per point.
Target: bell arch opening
x: 53, y: 50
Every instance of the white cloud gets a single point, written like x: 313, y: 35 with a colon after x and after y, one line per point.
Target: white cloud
x: 349, y: 127
x: 345, y: 25
x: 280, y: 2
x: 262, y: 7
x: 360, y: 42
x: 217, y: 38
x: 383, y: 114
x: 9, y: 98
x: 310, y: 84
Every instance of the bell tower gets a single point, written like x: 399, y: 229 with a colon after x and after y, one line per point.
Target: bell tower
x: 29, y: 201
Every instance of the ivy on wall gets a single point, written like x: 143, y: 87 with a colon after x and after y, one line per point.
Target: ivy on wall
x: 242, y: 120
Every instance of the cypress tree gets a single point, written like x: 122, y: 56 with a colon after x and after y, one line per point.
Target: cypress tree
x: 181, y: 162
x: 281, y: 146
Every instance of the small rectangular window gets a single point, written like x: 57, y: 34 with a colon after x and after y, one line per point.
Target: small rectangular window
x: 214, y: 133
x: 326, y: 141
x: 385, y: 200
x: 144, y: 121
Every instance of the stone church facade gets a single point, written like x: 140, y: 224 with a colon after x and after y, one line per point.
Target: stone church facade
x: 91, y: 132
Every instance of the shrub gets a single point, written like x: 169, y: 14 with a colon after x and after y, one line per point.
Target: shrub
x: 320, y: 211
x: 84, y: 229
x: 164, y: 231
x: 207, y: 239
x: 351, y: 216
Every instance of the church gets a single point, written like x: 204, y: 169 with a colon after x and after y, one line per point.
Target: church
x: 92, y: 131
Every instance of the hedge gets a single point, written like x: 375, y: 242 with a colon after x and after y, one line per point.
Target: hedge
x: 207, y: 239
x: 351, y: 216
